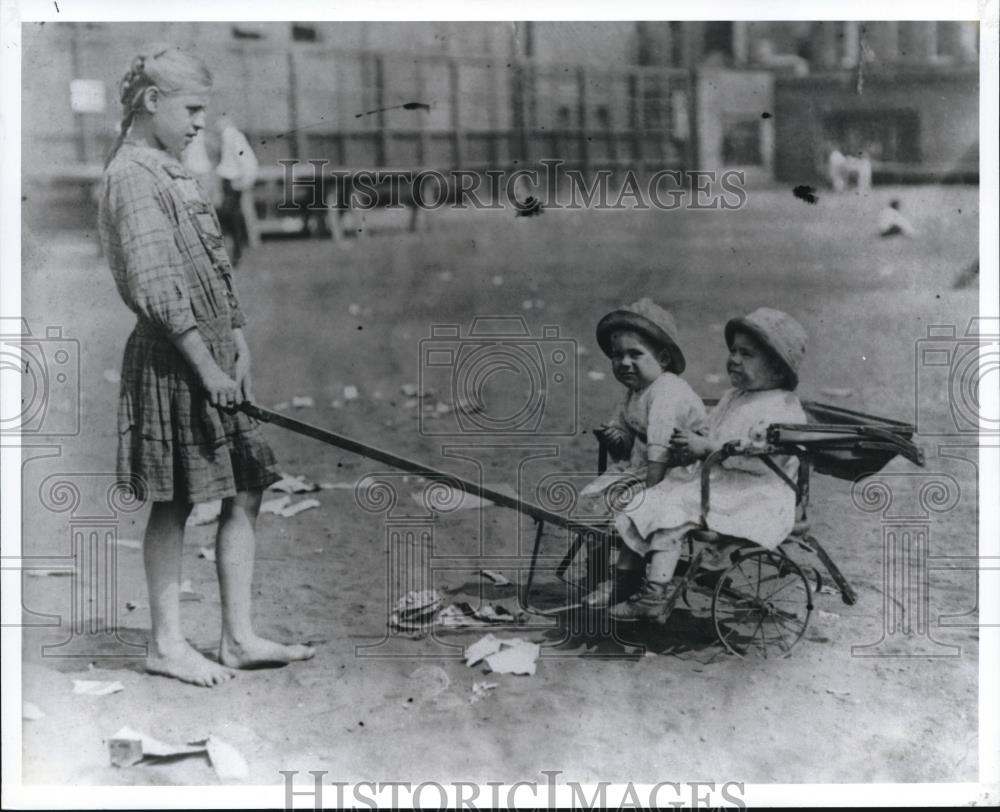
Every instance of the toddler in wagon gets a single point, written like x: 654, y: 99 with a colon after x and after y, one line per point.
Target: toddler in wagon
x: 748, y: 500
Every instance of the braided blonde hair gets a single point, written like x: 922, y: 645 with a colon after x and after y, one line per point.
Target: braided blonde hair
x: 163, y: 66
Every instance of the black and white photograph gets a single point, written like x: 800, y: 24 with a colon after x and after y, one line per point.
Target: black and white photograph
x: 591, y: 410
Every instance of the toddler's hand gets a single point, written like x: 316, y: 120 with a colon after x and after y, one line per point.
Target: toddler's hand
x: 617, y: 440
x: 689, y: 443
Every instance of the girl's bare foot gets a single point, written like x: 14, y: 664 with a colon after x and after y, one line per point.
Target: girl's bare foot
x: 182, y: 662
x: 258, y: 652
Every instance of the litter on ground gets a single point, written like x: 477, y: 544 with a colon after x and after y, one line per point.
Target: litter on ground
x: 350, y: 393
x: 208, y: 553
x: 129, y: 746
x: 275, y: 506
x: 462, y: 615
x: 416, y: 610
x: 594, y: 375
x: 303, y: 402
x: 516, y: 656
x: 497, y: 578
x: 226, y: 760
x: 481, y: 690
x: 205, y: 513
x: 89, y: 687
x: 293, y: 484
x: 483, y: 647
x: 409, y: 390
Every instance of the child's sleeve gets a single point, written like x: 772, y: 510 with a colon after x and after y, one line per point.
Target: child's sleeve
x: 154, y: 266
x: 673, y: 405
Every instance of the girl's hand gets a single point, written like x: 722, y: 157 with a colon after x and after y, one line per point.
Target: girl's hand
x: 222, y: 390
x: 690, y: 443
x: 243, y: 376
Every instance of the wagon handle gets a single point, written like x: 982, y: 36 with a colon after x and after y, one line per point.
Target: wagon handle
x: 539, y: 514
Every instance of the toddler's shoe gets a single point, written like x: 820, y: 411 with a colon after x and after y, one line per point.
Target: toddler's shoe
x: 621, y: 585
x: 653, y: 602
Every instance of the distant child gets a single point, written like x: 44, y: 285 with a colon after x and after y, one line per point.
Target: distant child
x: 641, y: 341
x: 186, y: 366
x: 892, y: 222
x: 748, y: 499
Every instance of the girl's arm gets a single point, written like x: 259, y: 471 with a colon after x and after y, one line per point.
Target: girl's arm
x: 655, y: 471
x: 222, y: 390
x: 242, y: 364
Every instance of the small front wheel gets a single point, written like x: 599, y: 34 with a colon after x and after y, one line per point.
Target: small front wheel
x: 761, y: 604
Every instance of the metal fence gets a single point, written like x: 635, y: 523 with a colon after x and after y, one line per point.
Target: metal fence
x: 314, y: 103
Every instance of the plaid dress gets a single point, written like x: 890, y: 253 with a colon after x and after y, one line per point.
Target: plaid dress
x: 166, y: 253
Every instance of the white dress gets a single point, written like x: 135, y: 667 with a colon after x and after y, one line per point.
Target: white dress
x: 746, y: 498
x: 650, y: 417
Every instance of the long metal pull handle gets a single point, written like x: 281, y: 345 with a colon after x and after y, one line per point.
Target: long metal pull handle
x: 411, y: 466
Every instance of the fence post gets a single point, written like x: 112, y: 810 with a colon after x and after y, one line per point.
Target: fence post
x: 298, y: 142
x: 382, y: 137
x: 421, y: 95
x: 581, y: 84
x: 458, y: 135
x: 637, y: 115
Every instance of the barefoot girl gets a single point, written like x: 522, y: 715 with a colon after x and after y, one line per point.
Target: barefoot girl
x: 641, y: 342
x: 748, y: 499
x: 186, y: 365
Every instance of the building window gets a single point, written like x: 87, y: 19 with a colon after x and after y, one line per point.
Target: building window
x: 246, y: 32
x: 304, y: 33
x: 718, y: 39
x: 741, y: 142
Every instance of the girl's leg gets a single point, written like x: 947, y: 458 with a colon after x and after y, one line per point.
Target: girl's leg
x: 234, y: 555
x: 162, y: 549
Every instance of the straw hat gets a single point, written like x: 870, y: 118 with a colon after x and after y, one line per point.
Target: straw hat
x: 649, y: 320
x: 782, y: 335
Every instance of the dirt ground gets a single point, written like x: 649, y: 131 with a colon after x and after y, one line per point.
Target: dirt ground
x: 640, y: 706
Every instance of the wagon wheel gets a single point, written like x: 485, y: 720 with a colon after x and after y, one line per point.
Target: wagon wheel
x: 761, y: 604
